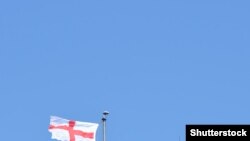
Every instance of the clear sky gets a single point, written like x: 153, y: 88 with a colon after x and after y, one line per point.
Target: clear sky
x: 155, y: 65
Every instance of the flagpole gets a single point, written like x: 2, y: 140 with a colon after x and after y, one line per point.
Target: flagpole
x: 104, y: 119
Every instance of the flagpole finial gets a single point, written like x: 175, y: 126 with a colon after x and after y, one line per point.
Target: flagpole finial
x: 105, y: 114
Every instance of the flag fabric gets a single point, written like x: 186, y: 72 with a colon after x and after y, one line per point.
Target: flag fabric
x: 70, y: 130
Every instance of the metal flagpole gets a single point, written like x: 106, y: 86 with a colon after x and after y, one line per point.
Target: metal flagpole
x: 104, y: 119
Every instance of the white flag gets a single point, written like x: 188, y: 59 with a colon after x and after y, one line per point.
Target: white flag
x: 70, y: 130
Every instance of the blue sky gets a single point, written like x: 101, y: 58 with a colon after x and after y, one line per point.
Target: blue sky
x: 154, y: 65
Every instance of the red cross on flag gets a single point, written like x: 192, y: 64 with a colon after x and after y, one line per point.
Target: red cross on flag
x: 70, y: 130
